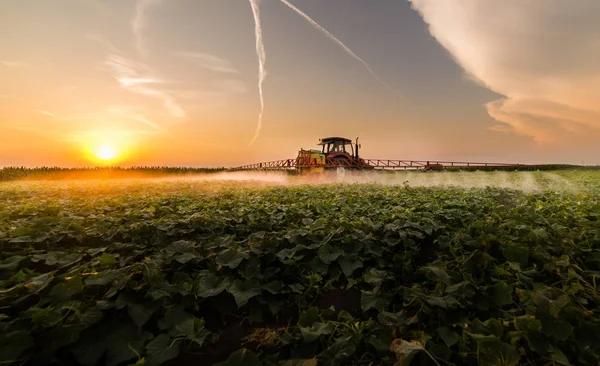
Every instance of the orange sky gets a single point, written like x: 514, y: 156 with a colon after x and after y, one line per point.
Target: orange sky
x: 176, y: 83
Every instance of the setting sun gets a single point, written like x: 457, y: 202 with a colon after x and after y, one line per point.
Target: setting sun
x: 106, y: 153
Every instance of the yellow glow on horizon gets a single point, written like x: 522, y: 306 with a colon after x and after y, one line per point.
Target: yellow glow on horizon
x: 106, y: 153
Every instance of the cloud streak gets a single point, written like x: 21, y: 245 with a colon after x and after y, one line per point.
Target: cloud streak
x: 139, y: 78
x: 138, y: 22
x: 46, y: 113
x: 338, y: 42
x: 209, y: 61
x: 262, y: 59
x: 542, y: 56
x: 15, y: 64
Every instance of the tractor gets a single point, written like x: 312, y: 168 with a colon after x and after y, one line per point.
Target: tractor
x: 337, y: 153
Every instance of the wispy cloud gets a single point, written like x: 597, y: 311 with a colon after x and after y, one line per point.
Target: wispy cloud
x: 46, y: 113
x: 139, y: 78
x: 15, y: 64
x: 138, y: 22
x: 208, y: 61
x: 542, y: 56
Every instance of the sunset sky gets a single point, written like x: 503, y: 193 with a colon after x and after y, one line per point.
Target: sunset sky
x: 175, y: 82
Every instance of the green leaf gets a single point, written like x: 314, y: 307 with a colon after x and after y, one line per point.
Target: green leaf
x: 318, y: 224
x: 11, y: 264
x: 107, y: 259
x: 338, y: 353
x: 498, y: 354
x: 211, y: 285
x: 315, y: 331
x: 309, y: 317
x: 445, y: 302
x: 558, y: 356
x: 231, y: 258
x: 65, y: 290
x: 185, y: 257
x: 501, y: 294
x: 350, y: 263
x: 243, y: 291
x: 13, y: 344
x: 448, y: 336
x: 395, y: 319
x: 558, y: 328
x: 328, y: 253
x: 371, y: 300
x: 516, y: 253
x: 273, y: 287
x: 528, y: 323
x: 241, y: 357
x: 161, y: 349
x: 376, y: 277
x: 436, y: 274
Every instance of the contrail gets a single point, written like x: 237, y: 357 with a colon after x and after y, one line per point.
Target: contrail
x: 262, y: 56
x: 340, y: 43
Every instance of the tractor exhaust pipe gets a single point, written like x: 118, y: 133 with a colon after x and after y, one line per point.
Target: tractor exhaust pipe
x: 356, y: 149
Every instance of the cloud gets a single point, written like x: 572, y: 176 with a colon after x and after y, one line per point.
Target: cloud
x: 138, y: 22
x: 46, y: 113
x: 139, y: 78
x: 15, y: 64
x: 209, y: 61
x: 542, y: 56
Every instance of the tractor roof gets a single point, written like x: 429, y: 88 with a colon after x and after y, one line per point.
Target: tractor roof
x: 327, y: 140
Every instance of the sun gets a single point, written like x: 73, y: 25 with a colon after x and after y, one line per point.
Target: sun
x: 106, y: 153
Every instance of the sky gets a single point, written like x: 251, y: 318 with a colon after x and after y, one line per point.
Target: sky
x: 213, y: 83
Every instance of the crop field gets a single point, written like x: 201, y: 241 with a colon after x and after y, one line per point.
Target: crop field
x: 478, y: 268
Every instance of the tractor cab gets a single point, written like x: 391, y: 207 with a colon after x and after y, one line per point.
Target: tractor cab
x: 338, y: 147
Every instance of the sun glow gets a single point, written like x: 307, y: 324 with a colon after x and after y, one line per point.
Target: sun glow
x: 106, y: 153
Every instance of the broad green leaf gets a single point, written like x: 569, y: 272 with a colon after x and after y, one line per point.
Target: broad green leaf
x: 448, y: 336
x: 243, y: 291
x: 338, y: 353
x: 13, y: 344
x: 501, y: 293
x: 558, y: 356
x: 65, y: 290
x: 273, y: 287
x: 107, y: 259
x: 211, y: 285
x: 315, y: 331
x: 241, y: 357
x: 376, y: 277
x: 231, y: 258
x: 445, y: 302
x: 309, y: 317
x: 516, y: 253
x: 11, y: 263
x: 349, y: 263
x: 371, y: 300
x: 436, y: 274
x: 161, y: 349
x: 498, y: 354
x: 328, y: 253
